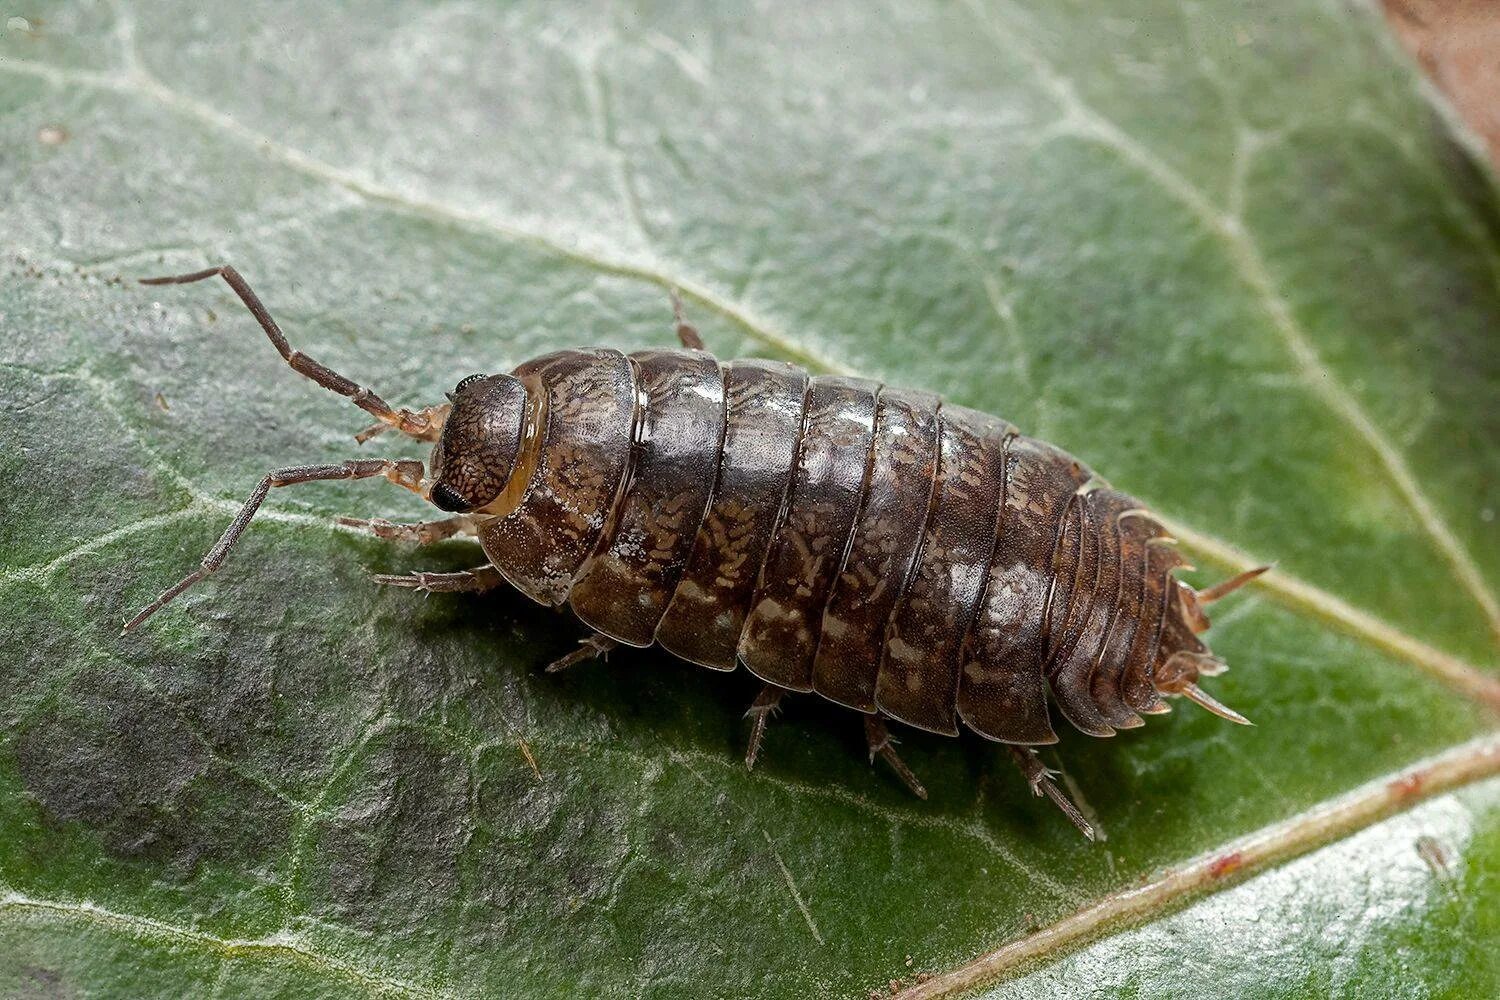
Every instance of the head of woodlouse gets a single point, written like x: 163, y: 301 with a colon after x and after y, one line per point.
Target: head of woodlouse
x: 473, y: 459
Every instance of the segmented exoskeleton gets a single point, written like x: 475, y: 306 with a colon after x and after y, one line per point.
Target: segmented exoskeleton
x: 902, y: 556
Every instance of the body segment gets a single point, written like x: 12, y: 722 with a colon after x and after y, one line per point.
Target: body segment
x: 624, y: 591
x: 878, y: 558
x: 779, y: 640
x: 763, y: 427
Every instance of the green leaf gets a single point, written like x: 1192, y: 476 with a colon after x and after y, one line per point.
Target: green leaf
x: 1234, y: 261
x: 1409, y: 907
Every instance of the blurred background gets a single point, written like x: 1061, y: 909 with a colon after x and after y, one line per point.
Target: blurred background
x: 1455, y: 41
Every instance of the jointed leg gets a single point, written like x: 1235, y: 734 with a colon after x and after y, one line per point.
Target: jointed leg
x: 406, y: 472
x: 429, y: 418
x: 687, y: 334
x: 1039, y: 777
x: 424, y: 425
x: 761, y: 709
x: 472, y: 581
x: 422, y: 533
x: 883, y: 744
x: 594, y: 647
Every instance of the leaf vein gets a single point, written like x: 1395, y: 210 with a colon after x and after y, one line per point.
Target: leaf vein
x: 280, y: 944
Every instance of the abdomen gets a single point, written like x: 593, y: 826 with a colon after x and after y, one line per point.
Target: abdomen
x: 873, y: 545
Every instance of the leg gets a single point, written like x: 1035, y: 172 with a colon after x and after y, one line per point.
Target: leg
x: 424, y: 533
x: 430, y: 417
x: 407, y: 473
x: 761, y: 710
x: 594, y: 647
x: 883, y: 744
x: 687, y: 334
x: 1039, y: 777
x: 472, y: 581
x: 423, y: 425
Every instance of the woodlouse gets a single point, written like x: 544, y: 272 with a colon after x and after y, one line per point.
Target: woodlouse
x: 904, y: 557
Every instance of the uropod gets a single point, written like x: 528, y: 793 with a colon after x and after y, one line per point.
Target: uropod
x: 901, y: 556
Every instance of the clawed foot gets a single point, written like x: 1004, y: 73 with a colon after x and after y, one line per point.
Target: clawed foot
x: 425, y: 424
x: 882, y: 744
x: 594, y: 647
x: 760, y: 711
x: 1039, y: 778
x: 469, y: 581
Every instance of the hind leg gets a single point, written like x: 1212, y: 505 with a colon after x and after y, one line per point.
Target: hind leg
x: 882, y: 744
x: 687, y: 333
x: 594, y: 647
x: 1039, y: 777
x: 761, y: 709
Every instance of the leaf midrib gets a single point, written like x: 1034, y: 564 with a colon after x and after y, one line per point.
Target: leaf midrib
x: 279, y: 945
x: 1230, y: 864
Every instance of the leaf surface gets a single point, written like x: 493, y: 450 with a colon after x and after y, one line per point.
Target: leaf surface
x: 1251, y: 283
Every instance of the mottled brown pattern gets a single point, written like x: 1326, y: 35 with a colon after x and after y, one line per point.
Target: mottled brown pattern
x: 624, y: 590
x: 886, y: 535
x: 907, y: 559
x: 583, y: 455
x: 704, y: 619
x: 780, y: 637
x: 918, y: 678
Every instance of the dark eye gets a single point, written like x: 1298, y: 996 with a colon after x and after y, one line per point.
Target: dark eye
x: 447, y: 498
x: 468, y: 380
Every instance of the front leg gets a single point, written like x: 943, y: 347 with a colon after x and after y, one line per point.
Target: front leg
x: 406, y: 473
x: 472, y: 581
x: 421, y: 533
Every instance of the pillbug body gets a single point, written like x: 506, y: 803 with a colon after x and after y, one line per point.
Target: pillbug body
x: 904, y: 557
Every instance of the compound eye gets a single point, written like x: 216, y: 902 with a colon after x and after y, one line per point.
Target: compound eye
x: 447, y: 498
x: 467, y: 381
